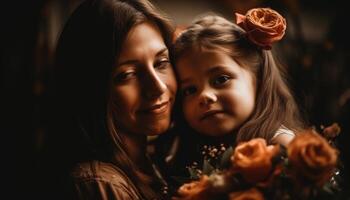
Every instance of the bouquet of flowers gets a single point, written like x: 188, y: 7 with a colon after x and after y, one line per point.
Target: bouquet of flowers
x: 305, y: 169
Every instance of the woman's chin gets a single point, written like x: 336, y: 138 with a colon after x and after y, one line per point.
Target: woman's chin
x: 157, y: 129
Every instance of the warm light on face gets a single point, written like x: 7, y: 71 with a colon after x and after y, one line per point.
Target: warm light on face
x: 144, y: 83
x: 218, y: 95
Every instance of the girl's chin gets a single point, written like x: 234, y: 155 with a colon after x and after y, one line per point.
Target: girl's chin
x: 216, y: 132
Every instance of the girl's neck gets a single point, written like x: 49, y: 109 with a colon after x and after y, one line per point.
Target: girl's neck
x: 227, y: 140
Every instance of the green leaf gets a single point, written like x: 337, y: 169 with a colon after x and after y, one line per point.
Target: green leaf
x: 207, y: 167
x: 193, y: 173
x: 225, y: 159
x: 328, y: 188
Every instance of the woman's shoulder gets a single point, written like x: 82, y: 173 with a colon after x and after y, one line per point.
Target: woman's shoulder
x: 100, y: 171
x: 100, y: 178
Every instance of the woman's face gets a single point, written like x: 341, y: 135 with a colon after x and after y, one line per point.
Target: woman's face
x: 218, y: 94
x: 144, y: 83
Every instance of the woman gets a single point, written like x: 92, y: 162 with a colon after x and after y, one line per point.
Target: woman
x: 114, y: 86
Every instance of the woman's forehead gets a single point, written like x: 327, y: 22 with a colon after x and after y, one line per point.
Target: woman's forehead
x: 143, y: 40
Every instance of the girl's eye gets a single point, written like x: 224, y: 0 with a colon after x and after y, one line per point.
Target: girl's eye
x: 124, y: 76
x: 162, y: 64
x: 189, y: 90
x: 220, y: 80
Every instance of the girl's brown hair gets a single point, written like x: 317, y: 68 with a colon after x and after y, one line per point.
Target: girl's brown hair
x: 275, y: 105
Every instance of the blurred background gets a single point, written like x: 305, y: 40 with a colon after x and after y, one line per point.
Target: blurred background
x: 315, y: 51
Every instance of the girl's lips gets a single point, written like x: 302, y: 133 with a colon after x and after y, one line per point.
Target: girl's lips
x: 210, y: 113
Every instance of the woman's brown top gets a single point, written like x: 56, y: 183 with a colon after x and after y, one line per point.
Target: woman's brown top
x: 98, y: 180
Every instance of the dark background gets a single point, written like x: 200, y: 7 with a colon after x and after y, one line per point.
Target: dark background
x: 315, y: 51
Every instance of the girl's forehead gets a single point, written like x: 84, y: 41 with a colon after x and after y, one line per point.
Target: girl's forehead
x: 200, y: 50
x: 205, y: 62
x: 206, y: 57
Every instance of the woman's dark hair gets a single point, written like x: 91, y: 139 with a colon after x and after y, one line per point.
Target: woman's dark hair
x: 82, y: 127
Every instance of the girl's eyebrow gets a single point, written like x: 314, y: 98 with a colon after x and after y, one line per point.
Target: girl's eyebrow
x: 220, y: 68
x: 162, y: 51
x: 217, y: 68
x: 212, y: 70
x: 185, y: 81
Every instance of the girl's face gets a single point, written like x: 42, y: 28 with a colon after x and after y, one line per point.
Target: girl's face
x: 144, y: 83
x: 218, y: 95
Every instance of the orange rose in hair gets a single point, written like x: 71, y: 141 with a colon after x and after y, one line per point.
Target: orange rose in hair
x: 264, y: 26
x: 253, y: 159
x: 251, y: 194
x: 311, y: 158
x: 197, y: 190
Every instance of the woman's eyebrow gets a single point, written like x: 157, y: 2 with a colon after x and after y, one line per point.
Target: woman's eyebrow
x: 128, y: 62
x: 131, y: 62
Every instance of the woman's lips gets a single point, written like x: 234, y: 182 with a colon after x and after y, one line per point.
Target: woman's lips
x: 157, y: 108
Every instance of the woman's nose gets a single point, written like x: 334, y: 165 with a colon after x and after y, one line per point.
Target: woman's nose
x: 154, y: 86
x: 207, y: 97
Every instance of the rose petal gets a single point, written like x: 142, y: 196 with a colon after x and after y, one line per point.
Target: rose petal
x: 240, y: 18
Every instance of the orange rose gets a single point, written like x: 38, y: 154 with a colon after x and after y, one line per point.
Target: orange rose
x: 251, y: 194
x: 196, y: 190
x: 311, y: 158
x: 264, y: 26
x: 253, y: 159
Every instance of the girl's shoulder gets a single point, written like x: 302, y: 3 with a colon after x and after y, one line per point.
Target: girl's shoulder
x: 101, y: 178
x: 283, y: 136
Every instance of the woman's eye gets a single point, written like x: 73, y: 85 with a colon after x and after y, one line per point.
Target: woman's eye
x: 124, y: 76
x: 220, y: 80
x: 189, y: 90
x: 162, y: 64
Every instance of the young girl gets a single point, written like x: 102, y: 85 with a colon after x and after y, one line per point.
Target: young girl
x: 230, y: 86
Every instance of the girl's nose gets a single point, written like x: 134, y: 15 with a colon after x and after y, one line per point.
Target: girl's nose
x: 207, y: 97
x: 154, y: 86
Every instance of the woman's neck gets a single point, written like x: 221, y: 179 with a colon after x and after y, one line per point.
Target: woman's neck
x: 135, y: 147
